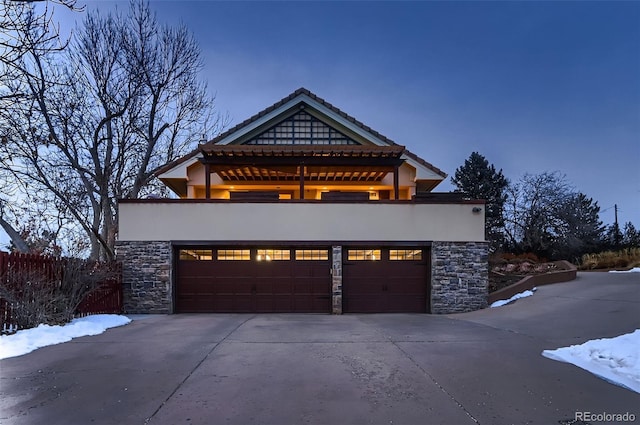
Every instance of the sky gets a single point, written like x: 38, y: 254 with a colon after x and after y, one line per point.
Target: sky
x: 532, y: 86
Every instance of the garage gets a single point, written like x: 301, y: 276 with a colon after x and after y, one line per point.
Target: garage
x: 252, y: 280
x: 385, y: 280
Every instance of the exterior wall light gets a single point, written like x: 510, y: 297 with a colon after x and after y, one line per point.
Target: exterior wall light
x: 476, y: 209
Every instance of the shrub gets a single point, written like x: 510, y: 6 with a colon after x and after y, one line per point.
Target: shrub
x: 519, y: 258
x: 624, y: 258
x: 51, y: 295
x: 30, y: 295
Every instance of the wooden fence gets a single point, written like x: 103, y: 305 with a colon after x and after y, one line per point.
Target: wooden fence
x: 106, y: 299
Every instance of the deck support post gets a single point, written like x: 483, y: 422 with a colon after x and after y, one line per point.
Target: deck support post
x: 302, y: 169
x: 207, y: 181
x: 396, y: 183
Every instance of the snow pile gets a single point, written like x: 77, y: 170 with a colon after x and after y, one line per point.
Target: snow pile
x: 25, y: 341
x: 616, y: 360
x: 500, y: 303
x: 634, y: 270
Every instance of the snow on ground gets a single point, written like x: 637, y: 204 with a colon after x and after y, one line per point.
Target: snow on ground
x: 634, y: 270
x: 616, y: 360
x: 27, y: 340
x: 500, y: 303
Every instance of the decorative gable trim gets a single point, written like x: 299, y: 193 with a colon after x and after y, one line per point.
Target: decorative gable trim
x: 301, y: 95
x: 301, y: 128
x: 304, y: 99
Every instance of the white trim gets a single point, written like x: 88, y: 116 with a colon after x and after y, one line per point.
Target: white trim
x: 422, y: 172
x: 313, y: 104
x: 180, y: 170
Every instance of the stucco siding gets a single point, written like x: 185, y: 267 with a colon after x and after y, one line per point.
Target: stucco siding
x: 314, y: 221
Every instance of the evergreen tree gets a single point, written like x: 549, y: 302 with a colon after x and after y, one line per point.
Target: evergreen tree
x: 631, y: 237
x: 579, y: 229
x: 614, y: 237
x: 478, y: 179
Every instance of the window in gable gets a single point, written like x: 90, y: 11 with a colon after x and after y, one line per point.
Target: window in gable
x: 302, y: 129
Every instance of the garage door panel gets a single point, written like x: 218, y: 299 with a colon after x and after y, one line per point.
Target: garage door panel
x: 196, y: 272
x: 366, y: 303
x: 282, y: 304
x: 239, y: 281
x: 195, y: 303
x: 309, y: 286
x: 400, y: 304
x: 311, y: 269
x: 270, y: 285
x: 303, y: 304
x: 263, y: 303
x: 273, y: 270
x: 385, y: 283
x: 318, y: 287
x: 239, y: 303
x: 222, y: 269
x: 408, y: 287
x: 366, y: 269
x: 191, y: 284
x: 229, y: 286
x: 366, y: 287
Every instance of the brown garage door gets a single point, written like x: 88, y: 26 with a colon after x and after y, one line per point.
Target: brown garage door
x: 385, y: 280
x: 253, y: 280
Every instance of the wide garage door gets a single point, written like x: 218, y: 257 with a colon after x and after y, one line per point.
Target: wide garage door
x: 253, y: 280
x: 385, y: 280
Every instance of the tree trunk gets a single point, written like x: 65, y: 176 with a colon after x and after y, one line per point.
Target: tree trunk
x: 14, y: 235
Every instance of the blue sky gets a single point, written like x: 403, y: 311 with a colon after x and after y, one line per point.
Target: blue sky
x: 533, y: 86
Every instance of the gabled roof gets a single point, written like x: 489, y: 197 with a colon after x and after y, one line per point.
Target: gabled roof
x: 298, y: 93
x: 303, y: 94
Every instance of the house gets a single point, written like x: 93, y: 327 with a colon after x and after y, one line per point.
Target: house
x: 302, y: 208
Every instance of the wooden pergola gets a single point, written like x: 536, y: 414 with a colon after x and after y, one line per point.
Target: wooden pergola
x: 303, y: 163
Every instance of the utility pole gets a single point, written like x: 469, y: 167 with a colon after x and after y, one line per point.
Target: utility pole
x: 616, y: 236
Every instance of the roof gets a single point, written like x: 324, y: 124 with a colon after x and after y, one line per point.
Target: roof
x: 353, y: 151
x: 298, y: 93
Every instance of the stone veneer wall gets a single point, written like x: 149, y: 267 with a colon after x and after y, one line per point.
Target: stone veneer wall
x: 336, y: 280
x: 459, y: 276
x: 146, y: 276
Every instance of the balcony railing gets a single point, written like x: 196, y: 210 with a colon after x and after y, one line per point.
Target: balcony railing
x: 420, y: 219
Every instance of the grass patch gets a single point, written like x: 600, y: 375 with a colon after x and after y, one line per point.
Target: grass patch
x: 623, y: 259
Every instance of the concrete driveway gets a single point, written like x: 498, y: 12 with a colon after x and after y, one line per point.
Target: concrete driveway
x: 483, y: 367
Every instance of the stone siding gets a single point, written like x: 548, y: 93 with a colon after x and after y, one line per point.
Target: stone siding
x: 336, y: 280
x: 459, y: 276
x: 146, y: 276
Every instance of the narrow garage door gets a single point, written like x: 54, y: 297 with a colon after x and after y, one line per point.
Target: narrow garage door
x: 253, y: 280
x: 385, y: 280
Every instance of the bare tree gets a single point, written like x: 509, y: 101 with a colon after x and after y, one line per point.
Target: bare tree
x: 23, y: 29
x: 545, y: 215
x: 126, y: 99
x: 18, y: 18
x: 532, y: 211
